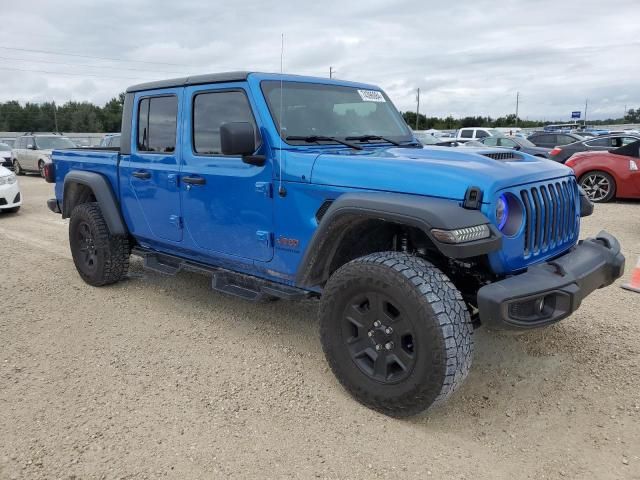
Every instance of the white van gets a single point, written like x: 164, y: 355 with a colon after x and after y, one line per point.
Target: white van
x: 476, y: 133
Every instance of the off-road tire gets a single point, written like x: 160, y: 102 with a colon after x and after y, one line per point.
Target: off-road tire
x: 438, y: 315
x: 110, y: 253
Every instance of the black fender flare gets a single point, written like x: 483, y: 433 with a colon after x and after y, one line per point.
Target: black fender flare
x: 103, y: 192
x: 417, y: 211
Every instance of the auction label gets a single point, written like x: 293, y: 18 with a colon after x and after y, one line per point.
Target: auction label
x: 371, y: 96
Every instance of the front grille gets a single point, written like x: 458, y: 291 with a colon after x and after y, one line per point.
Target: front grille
x: 551, y: 215
x: 503, y: 156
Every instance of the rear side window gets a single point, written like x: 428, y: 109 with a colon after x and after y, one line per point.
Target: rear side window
x: 565, y: 140
x: 212, y: 110
x: 466, y: 134
x: 598, y: 142
x: 481, y: 134
x: 157, y: 123
x: 548, y: 139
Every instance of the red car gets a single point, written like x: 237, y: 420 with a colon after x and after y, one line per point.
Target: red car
x: 607, y: 175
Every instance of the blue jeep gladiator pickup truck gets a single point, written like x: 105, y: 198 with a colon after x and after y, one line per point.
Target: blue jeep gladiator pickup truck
x: 284, y: 186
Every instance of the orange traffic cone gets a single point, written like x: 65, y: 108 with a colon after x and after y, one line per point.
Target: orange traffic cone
x: 634, y: 283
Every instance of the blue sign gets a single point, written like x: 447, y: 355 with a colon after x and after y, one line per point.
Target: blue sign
x: 575, y: 114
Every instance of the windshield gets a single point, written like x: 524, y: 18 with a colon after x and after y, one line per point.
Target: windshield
x: 4, y: 147
x: 311, y: 109
x: 51, y: 143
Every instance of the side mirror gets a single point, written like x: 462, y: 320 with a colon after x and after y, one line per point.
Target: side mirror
x: 239, y: 138
x: 517, y: 147
x: 31, y: 147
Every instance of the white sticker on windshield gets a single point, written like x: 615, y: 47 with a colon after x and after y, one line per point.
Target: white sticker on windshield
x: 371, y: 96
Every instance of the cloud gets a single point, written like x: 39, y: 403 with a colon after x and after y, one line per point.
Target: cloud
x: 467, y: 57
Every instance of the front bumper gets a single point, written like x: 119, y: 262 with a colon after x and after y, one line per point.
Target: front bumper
x: 548, y: 292
x: 10, y: 196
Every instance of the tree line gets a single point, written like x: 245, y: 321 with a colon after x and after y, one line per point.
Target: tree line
x: 450, y: 123
x: 70, y: 117
x: 87, y: 117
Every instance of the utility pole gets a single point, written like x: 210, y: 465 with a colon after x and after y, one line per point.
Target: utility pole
x: 417, y: 108
x: 586, y: 103
x: 517, y: 105
x: 55, y: 116
x: 330, y: 72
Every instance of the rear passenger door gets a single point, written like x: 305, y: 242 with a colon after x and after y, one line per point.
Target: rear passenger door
x: 227, y: 203
x: 151, y: 173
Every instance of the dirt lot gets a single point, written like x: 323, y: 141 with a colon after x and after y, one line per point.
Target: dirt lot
x: 161, y: 377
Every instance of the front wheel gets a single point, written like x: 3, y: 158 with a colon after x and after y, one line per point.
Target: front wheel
x: 600, y: 187
x: 99, y: 257
x: 17, y: 168
x: 395, y: 332
x: 41, y: 168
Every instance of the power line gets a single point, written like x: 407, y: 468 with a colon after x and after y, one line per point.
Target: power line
x: 90, y: 56
x: 89, y: 66
x: 74, y: 74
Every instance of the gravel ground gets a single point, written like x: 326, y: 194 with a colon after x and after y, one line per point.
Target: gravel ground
x: 161, y: 377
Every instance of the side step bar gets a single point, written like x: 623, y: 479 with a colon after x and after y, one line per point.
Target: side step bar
x: 232, y: 283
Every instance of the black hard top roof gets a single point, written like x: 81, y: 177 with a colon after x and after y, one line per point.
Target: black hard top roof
x: 192, y: 80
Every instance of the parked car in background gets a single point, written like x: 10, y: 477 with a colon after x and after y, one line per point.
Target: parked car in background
x: 598, y: 144
x: 516, y: 143
x: 32, y: 151
x: 10, y: 198
x: 476, y: 133
x: 607, y: 175
x: 5, y: 156
x: 561, y: 128
x: 112, y: 140
x: 551, y: 140
x: 8, y: 141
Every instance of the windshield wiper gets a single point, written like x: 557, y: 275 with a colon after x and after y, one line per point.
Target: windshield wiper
x: 368, y: 138
x: 322, y: 138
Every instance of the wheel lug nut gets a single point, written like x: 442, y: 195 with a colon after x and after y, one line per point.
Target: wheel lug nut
x: 388, y: 330
x: 388, y: 345
x: 370, y: 333
x: 377, y: 323
x: 378, y: 347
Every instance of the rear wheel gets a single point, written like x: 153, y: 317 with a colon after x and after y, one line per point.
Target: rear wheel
x: 395, y: 332
x: 599, y: 186
x: 100, y: 258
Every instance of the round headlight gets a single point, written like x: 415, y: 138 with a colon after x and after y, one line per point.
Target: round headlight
x: 502, y: 212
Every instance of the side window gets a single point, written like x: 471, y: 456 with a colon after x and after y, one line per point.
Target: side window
x: 157, y: 123
x: 491, y: 141
x: 565, y: 140
x: 481, y: 134
x: 598, y: 142
x: 29, y: 142
x: 507, y: 142
x: 212, y: 110
x: 628, y: 140
x: 466, y: 134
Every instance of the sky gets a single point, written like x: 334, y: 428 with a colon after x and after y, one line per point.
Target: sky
x: 467, y: 57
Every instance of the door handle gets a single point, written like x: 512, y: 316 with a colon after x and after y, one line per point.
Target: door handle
x: 142, y: 175
x: 194, y: 180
